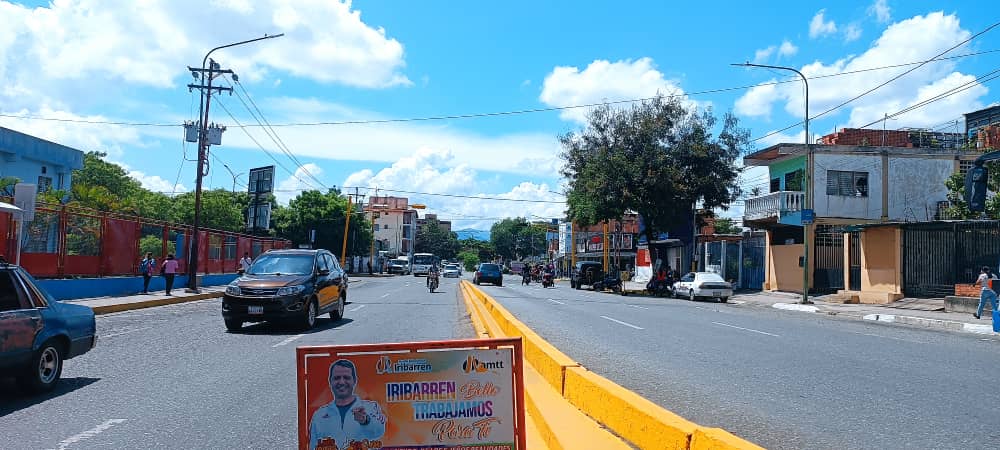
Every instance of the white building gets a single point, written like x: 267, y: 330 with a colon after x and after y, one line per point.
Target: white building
x: 394, y: 224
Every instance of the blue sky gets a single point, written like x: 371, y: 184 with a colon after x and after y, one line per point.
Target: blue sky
x: 115, y: 61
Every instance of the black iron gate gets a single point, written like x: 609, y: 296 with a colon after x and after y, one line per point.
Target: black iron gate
x: 855, y: 259
x: 937, y: 256
x: 828, y: 273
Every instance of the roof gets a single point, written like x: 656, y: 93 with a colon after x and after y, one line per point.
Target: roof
x: 779, y: 152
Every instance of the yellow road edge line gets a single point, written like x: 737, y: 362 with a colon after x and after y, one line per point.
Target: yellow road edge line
x: 107, y: 309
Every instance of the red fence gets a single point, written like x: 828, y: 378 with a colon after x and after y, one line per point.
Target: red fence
x: 64, y: 241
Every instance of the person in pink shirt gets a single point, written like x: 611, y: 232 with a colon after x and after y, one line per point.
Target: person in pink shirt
x: 169, y: 271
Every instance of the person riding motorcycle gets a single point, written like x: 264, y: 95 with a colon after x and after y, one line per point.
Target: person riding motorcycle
x: 432, y: 273
x: 548, y: 276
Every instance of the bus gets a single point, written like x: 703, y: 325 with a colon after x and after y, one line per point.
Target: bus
x: 422, y: 263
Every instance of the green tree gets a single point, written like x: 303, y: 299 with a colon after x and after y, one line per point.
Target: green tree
x: 959, y: 209
x: 482, y: 249
x: 151, y: 244
x: 726, y: 225
x: 469, y: 260
x: 220, y: 209
x: 658, y: 158
x: 325, y: 213
x: 515, y: 238
x: 98, y: 172
x: 7, y: 186
x: 433, y: 238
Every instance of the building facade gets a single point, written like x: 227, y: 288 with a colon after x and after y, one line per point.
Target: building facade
x: 446, y: 224
x: 394, y: 224
x: 849, y: 185
x: 37, y: 161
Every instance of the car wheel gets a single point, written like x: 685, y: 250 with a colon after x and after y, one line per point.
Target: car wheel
x: 45, y: 369
x: 724, y: 299
x: 500, y: 283
x: 234, y: 325
x: 691, y: 295
x: 309, y: 319
x: 338, y: 313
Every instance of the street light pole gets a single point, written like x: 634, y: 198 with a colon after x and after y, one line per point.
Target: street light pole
x: 806, y: 228
x: 203, y: 153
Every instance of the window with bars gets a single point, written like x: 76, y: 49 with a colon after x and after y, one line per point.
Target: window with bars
x: 846, y: 183
x: 964, y: 165
x: 214, y: 246
x: 775, y: 184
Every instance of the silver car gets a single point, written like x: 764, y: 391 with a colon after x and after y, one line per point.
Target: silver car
x: 451, y: 271
x: 695, y: 285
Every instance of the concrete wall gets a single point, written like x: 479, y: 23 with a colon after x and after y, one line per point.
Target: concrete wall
x: 23, y: 156
x: 779, y: 169
x: 66, y: 289
x: 881, y: 265
x: 908, y: 200
x: 783, y: 271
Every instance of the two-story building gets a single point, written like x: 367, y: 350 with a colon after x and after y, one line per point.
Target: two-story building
x: 394, y: 224
x: 37, y: 161
x: 848, y: 184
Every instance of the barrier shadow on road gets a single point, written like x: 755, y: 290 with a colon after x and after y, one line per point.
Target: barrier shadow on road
x: 14, y: 398
x: 281, y: 329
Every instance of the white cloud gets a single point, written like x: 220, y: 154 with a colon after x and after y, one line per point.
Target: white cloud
x: 603, y: 80
x: 787, y: 48
x: 156, y: 183
x: 880, y: 9
x: 852, y: 32
x: 85, y: 137
x: 149, y: 43
x: 437, y: 171
x: 290, y: 187
x: 915, y: 39
x: 819, y: 27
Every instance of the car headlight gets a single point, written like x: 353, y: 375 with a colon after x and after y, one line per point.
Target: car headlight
x: 291, y: 290
x: 233, y: 289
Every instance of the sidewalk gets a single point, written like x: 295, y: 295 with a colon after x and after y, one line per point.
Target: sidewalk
x: 927, y: 313
x: 105, y: 305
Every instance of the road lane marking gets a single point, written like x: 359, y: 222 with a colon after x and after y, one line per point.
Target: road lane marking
x: 287, y: 341
x: 124, y: 332
x: 384, y: 295
x: 65, y: 443
x: 637, y: 306
x: 745, y: 329
x: 556, y: 301
x: 623, y: 323
x: 355, y: 309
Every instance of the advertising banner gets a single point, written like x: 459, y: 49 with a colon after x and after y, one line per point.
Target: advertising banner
x: 438, y: 395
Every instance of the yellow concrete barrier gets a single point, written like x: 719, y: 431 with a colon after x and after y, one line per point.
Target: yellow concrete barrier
x: 634, y: 418
x: 640, y: 421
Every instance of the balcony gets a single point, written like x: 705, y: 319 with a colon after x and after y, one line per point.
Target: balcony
x: 773, y: 205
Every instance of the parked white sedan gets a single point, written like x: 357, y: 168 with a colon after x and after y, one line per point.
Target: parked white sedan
x: 697, y: 285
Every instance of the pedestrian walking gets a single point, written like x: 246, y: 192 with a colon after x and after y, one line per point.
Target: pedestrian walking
x: 986, y: 294
x: 146, y: 267
x: 245, y: 263
x: 169, y: 271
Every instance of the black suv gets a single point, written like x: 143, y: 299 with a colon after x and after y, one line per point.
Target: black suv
x: 586, y: 273
x: 287, y: 285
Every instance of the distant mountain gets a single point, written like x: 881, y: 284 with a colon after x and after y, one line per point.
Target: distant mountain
x: 482, y: 235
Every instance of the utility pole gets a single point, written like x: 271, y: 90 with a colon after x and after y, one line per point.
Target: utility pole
x: 206, y: 75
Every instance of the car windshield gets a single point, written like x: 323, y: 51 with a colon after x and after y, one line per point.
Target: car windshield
x: 282, y: 265
x: 451, y: 267
x: 27, y: 276
x: 423, y: 259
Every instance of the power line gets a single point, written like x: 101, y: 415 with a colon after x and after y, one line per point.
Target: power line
x: 880, y: 85
x: 269, y: 155
x: 985, y: 78
x: 272, y: 134
x: 461, y: 196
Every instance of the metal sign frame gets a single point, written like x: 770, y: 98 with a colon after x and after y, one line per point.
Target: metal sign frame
x: 259, y: 175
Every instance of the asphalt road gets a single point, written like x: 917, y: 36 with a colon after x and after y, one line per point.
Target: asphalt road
x: 781, y: 379
x: 172, y: 377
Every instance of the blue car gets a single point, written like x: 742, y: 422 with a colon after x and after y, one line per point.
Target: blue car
x: 37, y: 332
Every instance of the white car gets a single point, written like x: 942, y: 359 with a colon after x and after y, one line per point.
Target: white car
x: 697, y: 285
x: 451, y: 271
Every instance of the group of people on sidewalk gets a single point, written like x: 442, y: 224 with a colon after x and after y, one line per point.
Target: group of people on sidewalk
x: 168, y: 269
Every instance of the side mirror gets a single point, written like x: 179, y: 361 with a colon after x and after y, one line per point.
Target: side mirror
x: 324, y: 272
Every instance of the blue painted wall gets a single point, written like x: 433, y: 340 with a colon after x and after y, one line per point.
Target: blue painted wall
x: 23, y: 156
x: 67, y: 289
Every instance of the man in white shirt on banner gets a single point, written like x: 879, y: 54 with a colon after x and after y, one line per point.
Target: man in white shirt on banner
x: 347, y: 418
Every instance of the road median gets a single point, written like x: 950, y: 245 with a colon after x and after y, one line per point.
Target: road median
x: 642, y: 423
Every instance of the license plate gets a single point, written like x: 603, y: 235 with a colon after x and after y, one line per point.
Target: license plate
x: 255, y: 310
x: 716, y: 293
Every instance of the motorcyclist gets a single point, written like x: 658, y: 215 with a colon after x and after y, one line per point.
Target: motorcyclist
x: 432, y: 273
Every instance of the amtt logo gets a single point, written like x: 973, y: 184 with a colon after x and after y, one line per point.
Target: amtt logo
x: 472, y: 364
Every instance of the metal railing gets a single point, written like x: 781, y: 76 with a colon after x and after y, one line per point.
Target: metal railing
x: 773, y: 204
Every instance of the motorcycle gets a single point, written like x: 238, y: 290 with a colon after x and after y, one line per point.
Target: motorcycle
x: 610, y: 282
x: 547, y: 281
x: 432, y: 282
x: 660, y: 288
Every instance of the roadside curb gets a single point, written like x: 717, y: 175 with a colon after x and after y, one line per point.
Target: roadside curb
x: 923, y: 322
x: 107, y: 309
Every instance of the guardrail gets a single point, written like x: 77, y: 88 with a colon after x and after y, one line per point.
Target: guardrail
x: 634, y: 418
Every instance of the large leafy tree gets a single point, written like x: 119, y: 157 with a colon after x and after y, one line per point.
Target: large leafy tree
x: 515, y: 238
x: 98, y: 172
x: 433, y: 238
x: 220, y: 209
x: 959, y: 208
x: 659, y: 158
x: 325, y: 213
x: 482, y: 249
